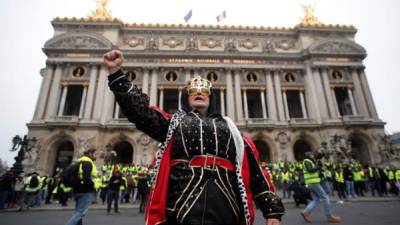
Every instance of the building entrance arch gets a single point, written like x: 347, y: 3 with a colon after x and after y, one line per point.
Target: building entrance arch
x: 300, y: 147
x: 359, y: 149
x: 124, y: 152
x: 263, y: 150
x: 64, y: 155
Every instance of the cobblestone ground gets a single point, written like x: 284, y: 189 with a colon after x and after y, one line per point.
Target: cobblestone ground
x: 363, y: 213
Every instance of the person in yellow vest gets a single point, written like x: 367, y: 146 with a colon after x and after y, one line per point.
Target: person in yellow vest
x: 397, y: 177
x: 84, y: 191
x: 285, y: 181
x: 359, y: 177
x: 63, y: 193
x: 339, y: 184
x: 312, y: 180
x: 390, y: 173
x: 134, y: 187
x: 114, y: 186
x: 122, y: 190
x: 104, y: 186
x: 31, y: 187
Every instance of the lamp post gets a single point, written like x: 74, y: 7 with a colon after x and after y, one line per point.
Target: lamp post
x: 23, y: 145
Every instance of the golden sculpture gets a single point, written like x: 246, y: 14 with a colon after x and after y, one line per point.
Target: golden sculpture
x: 101, y: 11
x: 309, y: 19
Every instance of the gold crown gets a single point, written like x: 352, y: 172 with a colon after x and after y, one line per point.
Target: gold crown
x: 198, y: 84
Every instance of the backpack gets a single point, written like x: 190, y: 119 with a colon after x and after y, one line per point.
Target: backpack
x: 34, y: 182
x: 70, y: 177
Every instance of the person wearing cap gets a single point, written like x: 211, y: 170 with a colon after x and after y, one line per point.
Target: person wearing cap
x: 84, y: 191
x: 313, y: 182
x: 206, y: 171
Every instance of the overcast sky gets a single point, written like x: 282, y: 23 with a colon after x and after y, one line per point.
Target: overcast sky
x: 25, y: 27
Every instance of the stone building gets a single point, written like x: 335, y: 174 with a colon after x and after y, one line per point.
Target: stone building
x: 292, y: 89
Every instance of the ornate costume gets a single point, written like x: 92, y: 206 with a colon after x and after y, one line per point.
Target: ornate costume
x: 206, y: 172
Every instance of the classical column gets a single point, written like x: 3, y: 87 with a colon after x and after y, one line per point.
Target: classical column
x: 153, y: 88
x: 264, y: 110
x: 303, y: 105
x: 358, y: 94
x: 271, y: 97
x: 187, y: 75
x: 116, y: 111
x: 368, y: 94
x: 179, y: 99
x: 145, y: 83
x: 229, y: 95
x: 222, y: 97
x: 353, y: 105
x: 54, y: 93
x: 335, y: 103
x: 238, y: 97
x: 100, y: 93
x: 321, y: 97
x: 278, y: 92
x: 161, y: 100
x: 63, y: 98
x: 94, y: 70
x: 311, y: 95
x: 83, y: 101
x: 330, y: 95
x: 285, y: 104
x: 44, y: 93
x: 246, y: 109
x: 108, y: 108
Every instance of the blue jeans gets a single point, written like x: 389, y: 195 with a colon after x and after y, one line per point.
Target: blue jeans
x: 318, y: 194
x: 350, y: 188
x: 3, y: 198
x: 82, y: 203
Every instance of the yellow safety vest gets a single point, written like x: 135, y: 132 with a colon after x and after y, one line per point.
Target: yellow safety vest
x: 310, y: 178
x: 397, y: 175
x: 285, y: 176
x: 339, y: 177
x: 94, y: 172
x: 390, y: 175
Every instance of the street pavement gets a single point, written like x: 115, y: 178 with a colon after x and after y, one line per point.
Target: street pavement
x: 366, y: 212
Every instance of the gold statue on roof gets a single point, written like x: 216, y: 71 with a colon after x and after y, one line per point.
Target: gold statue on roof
x: 101, y: 11
x: 309, y: 19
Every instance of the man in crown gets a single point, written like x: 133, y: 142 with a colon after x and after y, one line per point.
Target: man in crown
x: 206, y: 171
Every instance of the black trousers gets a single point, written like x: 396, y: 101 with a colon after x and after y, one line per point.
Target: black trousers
x: 112, y: 196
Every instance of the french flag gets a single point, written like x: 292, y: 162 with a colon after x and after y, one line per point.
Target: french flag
x: 221, y: 16
x: 188, y: 16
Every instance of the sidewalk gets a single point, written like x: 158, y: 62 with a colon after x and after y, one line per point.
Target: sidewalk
x: 71, y: 204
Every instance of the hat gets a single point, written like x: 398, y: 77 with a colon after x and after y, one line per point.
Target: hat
x: 90, y: 150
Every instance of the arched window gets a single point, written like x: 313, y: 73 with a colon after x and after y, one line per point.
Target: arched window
x: 131, y: 75
x: 290, y: 78
x: 171, y: 76
x: 211, y: 76
x: 337, y: 75
x: 251, y: 77
x: 78, y: 71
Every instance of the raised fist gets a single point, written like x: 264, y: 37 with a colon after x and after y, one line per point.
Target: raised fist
x: 113, y: 60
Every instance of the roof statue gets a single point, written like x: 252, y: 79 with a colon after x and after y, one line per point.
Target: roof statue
x: 309, y: 19
x: 101, y: 11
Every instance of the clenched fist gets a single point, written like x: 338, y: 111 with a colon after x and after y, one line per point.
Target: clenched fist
x: 113, y: 60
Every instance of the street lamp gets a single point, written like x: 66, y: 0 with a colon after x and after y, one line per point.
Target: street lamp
x: 23, y: 145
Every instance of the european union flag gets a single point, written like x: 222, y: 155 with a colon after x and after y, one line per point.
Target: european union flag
x: 188, y: 16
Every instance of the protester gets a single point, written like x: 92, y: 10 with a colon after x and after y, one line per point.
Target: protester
x: 312, y: 180
x: 216, y: 159
x: 84, y: 190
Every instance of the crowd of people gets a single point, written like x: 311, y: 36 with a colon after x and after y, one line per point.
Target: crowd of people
x: 129, y: 183
x: 339, y: 179
x: 116, y: 183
